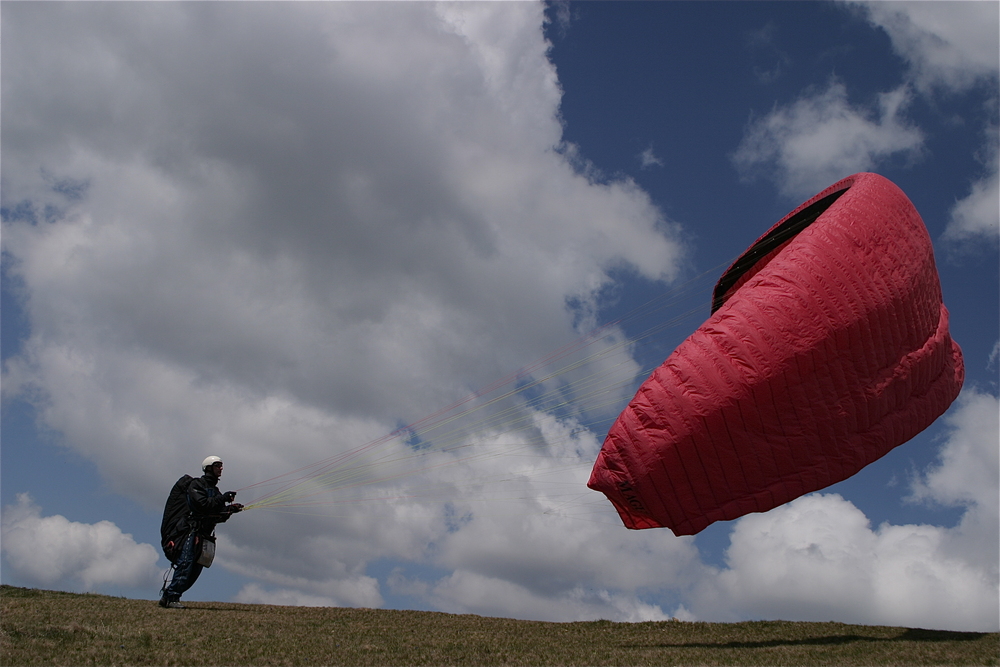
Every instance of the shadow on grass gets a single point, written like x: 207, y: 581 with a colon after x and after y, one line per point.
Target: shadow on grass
x: 911, y: 635
x: 917, y: 635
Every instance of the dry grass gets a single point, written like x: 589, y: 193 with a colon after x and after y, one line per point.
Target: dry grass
x: 53, y: 628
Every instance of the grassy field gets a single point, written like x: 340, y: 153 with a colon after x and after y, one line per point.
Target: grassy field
x: 54, y: 628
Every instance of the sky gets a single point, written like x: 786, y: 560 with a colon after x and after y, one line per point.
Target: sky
x: 277, y: 233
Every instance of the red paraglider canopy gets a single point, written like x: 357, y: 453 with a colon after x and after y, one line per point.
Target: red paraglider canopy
x: 827, y: 346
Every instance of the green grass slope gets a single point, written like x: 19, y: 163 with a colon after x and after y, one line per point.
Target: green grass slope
x: 55, y: 628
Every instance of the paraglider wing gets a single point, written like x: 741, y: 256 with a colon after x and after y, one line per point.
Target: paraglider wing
x: 827, y: 346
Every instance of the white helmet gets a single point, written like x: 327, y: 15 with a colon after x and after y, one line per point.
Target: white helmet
x: 207, y: 463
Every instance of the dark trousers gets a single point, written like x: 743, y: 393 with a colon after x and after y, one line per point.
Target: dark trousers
x: 186, y: 570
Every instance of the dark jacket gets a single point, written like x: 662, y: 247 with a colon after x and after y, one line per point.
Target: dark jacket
x: 208, y: 505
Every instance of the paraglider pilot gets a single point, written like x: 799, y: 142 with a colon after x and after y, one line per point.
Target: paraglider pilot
x: 193, y: 509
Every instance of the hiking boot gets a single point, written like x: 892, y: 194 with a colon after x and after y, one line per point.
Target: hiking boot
x: 171, y: 604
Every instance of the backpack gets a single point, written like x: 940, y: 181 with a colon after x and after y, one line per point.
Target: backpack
x: 175, y: 515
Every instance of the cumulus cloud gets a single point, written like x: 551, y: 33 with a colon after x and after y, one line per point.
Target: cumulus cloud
x: 276, y: 234
x: 967, y: 475
x: 51, y: 550
x: 818, y: 557
x: 464, y: 592
x: 977, y: 217
x: 950, y: 46
x: 821, y: 137
x: 529, y: 558
x: 254, y: 594
x: 812, y: 142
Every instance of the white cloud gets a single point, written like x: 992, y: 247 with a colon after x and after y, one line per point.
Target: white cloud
x: 977, y: 217
x: 950, y: 45
x: 818, y: 557
x: 648, y: 159
x: 968, y: 472
x: 968, y: 475
x: 254, y: 594
x: 811, y: 143
x: 822, y: 137
x: 46, y: 551
x: 464, y: 593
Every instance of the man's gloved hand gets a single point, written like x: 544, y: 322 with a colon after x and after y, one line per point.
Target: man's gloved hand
x: 229, y: 496
x: 235, y: 507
